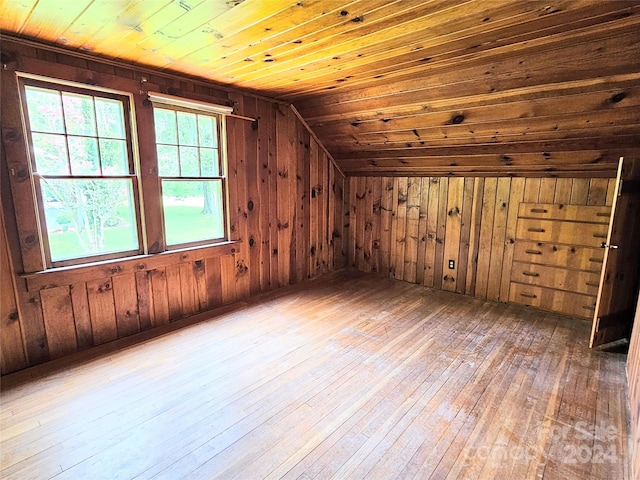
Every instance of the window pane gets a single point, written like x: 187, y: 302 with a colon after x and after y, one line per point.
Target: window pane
x: 79, y: 115
x: 187, y: 132
x: 50, y: 154
x: 193, y: 210
x: 189, y: 165
x: 113, y: 154
x: 45, y: 110
x: 165, y: 123
x: 83, y: 153
x: 89, y: 217
x: 168, y: 161
x: 207, y: 131
x: 209, y: 162
x: 110, y: 118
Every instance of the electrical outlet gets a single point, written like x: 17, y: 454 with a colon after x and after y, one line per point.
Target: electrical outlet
x: 452, y: 264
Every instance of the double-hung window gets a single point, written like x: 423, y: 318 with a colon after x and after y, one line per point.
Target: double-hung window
x: 192, y: 170
x: 84, y: 172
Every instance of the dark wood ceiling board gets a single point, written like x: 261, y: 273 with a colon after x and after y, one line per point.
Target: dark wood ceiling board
x: 598, y: 86
x: 527, y: 126
x: 396, y: 58
x: 328, y: 21
x: 539, y: 54
x: 622, y: 138
x: 543, y: 107
x: 387, y: 21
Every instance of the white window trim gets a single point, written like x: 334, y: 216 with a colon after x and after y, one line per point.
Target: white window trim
x: 173, y: 101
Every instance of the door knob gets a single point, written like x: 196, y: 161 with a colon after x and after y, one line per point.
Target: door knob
x: 610, y: 247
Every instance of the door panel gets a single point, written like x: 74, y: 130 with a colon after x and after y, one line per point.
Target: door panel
x: 616, y: 300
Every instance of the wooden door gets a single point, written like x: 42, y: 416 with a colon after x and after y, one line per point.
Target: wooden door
x: 617, y: 295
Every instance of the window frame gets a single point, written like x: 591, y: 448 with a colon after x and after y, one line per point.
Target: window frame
x: 180, y: 104
x: 133, y: 163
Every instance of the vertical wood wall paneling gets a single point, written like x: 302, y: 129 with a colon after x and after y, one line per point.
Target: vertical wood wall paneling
x: 285, y: 131
x: 264, y: 115
x: 214, y: 281
x: 498, y: 237
x: 313, y: 209
x: 239, y: 191
x: 58, y: 320
x: 411, y: 235
x: 274, y: 276
x: 515, y: 198
x: 254, y: 200
x: 376, y: 228
x: 338, y: 234
x: 298, y: 224
x: 331, y: 218
x: 367, y: 210
x: 188, y: 292
x: 174, y: 291
x: 633, y: 376
x: 399, y: 224
x: 228, y: 276
x: 102, y: 310
x: 17, y: 159
x: 12, y: 351
x: 161, y: 309
x: 149, y: 176
x: 326, y: 192
x: 81, y: 315
x: 386, y: 216
x: 438, y: 266
x: 146, y: 315
x: 474, y: 236
x: 425, y: 222
x: 465, y: 234
x: 126, y: 304
x: 486, y: 229
x: 303, y: 213
x: 432, y: 230
x: 453, y: 230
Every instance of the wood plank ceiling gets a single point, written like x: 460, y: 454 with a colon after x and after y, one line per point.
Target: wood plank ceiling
x: 437, y: 87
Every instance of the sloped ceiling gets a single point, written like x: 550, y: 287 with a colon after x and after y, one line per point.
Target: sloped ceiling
x: 441, y: 87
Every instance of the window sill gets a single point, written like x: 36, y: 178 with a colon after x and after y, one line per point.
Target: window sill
x: 60, y: 276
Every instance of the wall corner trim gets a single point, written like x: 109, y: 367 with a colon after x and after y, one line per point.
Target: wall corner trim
x: 312, y: 133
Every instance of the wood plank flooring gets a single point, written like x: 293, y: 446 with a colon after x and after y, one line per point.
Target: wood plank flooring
x: 353, y: 376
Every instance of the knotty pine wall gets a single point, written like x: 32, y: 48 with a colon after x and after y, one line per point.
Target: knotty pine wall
x: 409, y: 227
x: 633, y: 377
x: 284, y: 195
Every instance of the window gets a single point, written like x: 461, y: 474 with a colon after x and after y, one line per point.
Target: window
x: 83, y: 169
x: 88, y: 187
x: 191, y: 167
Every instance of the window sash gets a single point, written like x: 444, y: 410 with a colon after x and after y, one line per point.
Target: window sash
x: 38, y: 178
x: 173, y: 104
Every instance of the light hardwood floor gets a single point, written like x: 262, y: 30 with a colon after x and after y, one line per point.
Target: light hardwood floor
x: 352, y: 376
